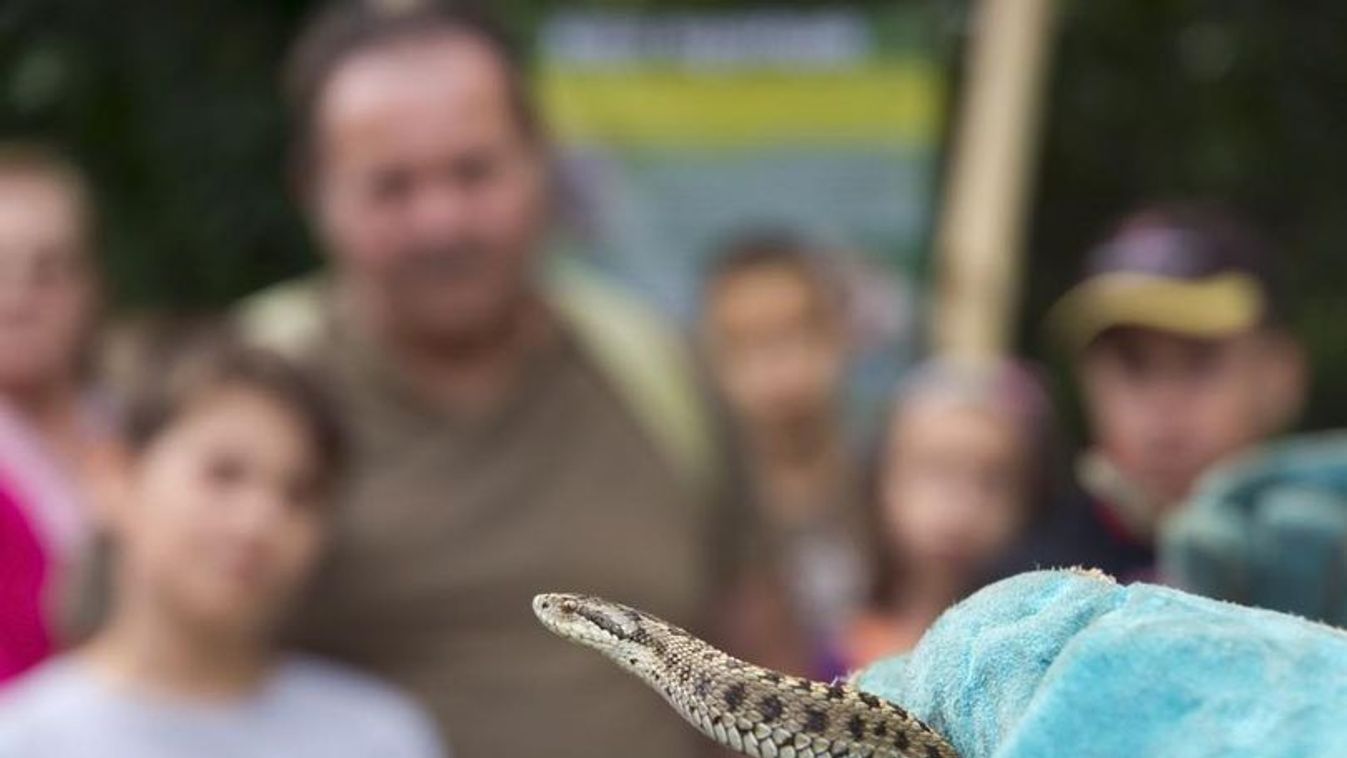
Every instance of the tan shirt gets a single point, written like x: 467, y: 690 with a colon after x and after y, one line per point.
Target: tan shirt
x: 451, y: 526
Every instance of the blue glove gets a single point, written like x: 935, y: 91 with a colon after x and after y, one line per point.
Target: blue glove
x: 1068, y: 663
x: 1269, y: 530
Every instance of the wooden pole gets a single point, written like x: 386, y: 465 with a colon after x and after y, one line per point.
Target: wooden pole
x: 981, y: 228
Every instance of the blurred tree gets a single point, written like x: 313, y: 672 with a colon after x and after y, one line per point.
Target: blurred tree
x: 174, y: 109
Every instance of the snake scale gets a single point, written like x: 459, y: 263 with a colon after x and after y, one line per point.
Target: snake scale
x: 748, y: 708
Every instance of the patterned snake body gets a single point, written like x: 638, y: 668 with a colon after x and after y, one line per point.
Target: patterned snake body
x: 745, y: 707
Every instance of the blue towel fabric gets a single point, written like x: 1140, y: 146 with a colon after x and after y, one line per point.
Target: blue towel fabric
x: 1069, y: 663
x: 1269, y: 530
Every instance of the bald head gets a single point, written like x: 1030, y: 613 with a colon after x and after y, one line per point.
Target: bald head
x: 403, y: 93
x: 343, y: 31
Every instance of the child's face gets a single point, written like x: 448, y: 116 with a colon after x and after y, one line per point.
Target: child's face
x: 224, y: 515
x: 46, y: 286
x: 954, y: 485
x: 775, y: 345
x: 1164, y: 408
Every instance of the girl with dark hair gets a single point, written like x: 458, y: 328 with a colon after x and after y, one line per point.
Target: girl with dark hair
x: 217, y: 517
x: 960, y: 475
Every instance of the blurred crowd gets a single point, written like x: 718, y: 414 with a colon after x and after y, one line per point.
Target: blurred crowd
x: 313, y: 525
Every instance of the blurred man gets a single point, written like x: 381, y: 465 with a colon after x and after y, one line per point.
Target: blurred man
x: 515, y: 433
x: 775, y: 333
x: 1182, y: 362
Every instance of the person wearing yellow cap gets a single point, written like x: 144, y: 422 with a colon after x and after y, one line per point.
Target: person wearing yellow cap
x: 1182, y: 361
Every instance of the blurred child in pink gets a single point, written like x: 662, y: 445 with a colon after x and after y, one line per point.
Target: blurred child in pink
x: 53, y: 439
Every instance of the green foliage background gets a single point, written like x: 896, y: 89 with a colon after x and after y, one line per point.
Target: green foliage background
x: 173, y: 108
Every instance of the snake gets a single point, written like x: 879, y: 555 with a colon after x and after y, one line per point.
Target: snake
x: 748, y: 708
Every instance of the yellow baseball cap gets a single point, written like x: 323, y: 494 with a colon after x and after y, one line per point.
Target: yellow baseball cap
x: 1202, y: 277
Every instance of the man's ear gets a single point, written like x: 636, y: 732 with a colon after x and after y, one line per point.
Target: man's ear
x: 1285, y: 379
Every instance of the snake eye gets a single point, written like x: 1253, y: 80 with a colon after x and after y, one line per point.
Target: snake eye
x: 569, y: 606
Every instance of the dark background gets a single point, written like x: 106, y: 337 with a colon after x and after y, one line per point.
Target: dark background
x: 173, y: 108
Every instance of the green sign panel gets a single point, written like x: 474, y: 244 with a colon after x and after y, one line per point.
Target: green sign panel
x: 680, y: 130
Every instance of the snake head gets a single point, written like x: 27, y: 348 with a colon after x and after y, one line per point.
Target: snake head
x: 619, y: 632
x: 579, y: 617
x: 558, y: 610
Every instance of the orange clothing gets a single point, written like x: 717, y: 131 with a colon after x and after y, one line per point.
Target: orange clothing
x: 873, y: 635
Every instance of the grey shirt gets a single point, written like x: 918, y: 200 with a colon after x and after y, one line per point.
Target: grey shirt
x: 309, y: 709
